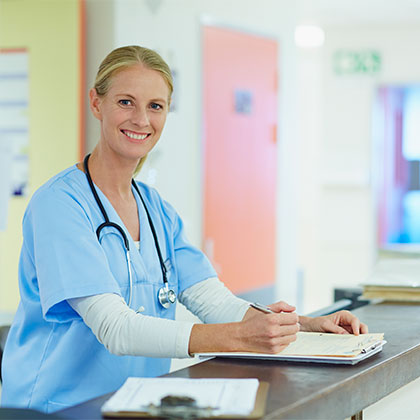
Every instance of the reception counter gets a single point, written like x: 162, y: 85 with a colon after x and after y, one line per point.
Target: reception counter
x: 320, y: 391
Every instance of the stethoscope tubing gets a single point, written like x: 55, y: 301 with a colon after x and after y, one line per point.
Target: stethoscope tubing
x: 166, y: 296
x: 155, y: 238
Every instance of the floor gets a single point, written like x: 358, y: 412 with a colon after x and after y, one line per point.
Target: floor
x: 403, y: 404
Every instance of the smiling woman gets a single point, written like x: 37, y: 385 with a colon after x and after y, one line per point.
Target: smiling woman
x: 104, y: 259
x: 132, y: 114
x: 124, y: 58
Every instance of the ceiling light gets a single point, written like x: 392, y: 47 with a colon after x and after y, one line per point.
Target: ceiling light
x: 309, y: 36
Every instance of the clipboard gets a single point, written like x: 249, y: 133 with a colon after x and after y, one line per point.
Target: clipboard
x: 345, y: 349
x: 339, y: 360
x: 257, y: 412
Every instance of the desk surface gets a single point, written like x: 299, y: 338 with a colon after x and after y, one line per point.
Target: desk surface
x: 319, y: 391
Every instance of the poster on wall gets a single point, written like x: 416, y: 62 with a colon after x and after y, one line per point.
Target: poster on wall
x: 14, y: 118
x: 5, y: 161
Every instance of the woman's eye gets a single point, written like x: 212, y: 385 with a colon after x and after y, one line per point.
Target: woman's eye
x: 156, y: 106
x: 125, y: 102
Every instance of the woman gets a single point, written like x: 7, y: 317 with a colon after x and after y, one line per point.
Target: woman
x: 94, y: 309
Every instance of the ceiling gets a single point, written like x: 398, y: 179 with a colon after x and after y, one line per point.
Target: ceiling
x: 359, y: 11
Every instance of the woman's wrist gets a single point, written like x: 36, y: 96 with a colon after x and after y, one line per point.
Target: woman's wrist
x: 207, y: 338
x: 305, y: 323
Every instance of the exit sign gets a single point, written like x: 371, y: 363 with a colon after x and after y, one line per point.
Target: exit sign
x: 349, y: 62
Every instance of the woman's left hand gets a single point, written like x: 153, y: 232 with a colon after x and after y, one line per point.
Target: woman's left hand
x: 341, y: 322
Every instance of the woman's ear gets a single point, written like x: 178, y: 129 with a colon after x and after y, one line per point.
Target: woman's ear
x: 95, y: 104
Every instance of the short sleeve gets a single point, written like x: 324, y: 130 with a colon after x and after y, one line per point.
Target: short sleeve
x: 67, y: 256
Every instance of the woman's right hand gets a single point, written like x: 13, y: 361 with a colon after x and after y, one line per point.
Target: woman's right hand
x: 269, y: 333
x: 257, y: 332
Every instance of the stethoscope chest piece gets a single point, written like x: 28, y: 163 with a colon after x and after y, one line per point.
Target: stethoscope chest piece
x: 166, y: 296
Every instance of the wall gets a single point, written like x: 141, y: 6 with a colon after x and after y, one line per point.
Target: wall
x: 49, y: 29
x: 325, y: 225
x: 325, y: 220
x: 343, y: 242
x: 100, y: 40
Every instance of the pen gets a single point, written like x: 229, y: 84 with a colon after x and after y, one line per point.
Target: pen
x: 265, y: 309
x: 261, y: 308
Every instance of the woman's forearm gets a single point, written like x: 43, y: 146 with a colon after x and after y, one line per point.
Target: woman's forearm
x: 257, y: 332
x: 124, y: 332
x: 215, y: 338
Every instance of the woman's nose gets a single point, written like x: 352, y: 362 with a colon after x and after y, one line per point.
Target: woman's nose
x: 141, y: 117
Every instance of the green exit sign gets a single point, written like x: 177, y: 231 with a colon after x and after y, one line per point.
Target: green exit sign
x: 348, y: 62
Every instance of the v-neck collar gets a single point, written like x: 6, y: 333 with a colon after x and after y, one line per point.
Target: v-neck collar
x: 147, y: 255
x: 115, y: 218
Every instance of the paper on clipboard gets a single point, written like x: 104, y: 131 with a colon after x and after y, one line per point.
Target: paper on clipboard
x: 326, y: 344
x: 321, y: 348
x: 227, y: 397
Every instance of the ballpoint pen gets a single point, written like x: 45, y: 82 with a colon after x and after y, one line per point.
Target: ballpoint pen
x: 265, y: 309
x: 262, y: 308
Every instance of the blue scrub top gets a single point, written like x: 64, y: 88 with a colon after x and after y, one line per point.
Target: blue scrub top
x: 52, y: 359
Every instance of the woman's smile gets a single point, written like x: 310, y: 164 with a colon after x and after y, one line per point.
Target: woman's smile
x: 132, y: 135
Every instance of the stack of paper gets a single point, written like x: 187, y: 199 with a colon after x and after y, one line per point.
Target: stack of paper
x: 394, y: 279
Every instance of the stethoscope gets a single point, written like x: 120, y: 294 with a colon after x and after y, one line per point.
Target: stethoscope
x: 166, y: 296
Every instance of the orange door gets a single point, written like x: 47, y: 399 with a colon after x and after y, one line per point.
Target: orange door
x: 240, y: 112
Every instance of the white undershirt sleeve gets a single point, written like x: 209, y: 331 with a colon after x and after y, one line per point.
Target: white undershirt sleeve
x: 213, y: 302
x: 124, y: 332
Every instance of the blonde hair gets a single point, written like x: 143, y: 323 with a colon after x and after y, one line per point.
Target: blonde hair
x: 123, y: 57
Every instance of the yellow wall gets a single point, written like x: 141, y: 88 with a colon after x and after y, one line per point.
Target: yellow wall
x: 50, y: 30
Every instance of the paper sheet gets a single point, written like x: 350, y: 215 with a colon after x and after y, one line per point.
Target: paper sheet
x: 324, y: 344
x: 230, y: 396
x: 402, y: 272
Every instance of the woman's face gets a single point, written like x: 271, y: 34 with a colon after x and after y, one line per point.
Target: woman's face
x: 133, y: 112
